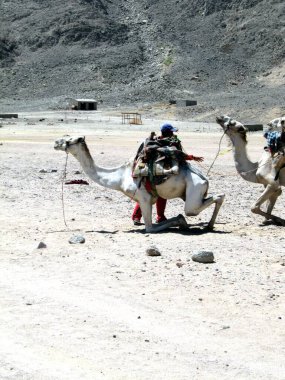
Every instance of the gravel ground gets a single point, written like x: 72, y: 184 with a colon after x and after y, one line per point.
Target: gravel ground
x: 106, y: 310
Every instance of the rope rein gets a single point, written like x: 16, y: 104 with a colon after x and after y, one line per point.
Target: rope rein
x: 219, y: 149
x: 62, y: 186
x: 218, y: 153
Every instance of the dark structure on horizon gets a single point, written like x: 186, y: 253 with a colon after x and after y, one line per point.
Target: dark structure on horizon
x: 83, y: 105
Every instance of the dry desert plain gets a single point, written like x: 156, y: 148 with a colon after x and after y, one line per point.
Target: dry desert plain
x: 106, y: 310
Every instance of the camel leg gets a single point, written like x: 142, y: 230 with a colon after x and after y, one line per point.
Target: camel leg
x: 218, y: 203
x: 177, y: 221
x: 272, y: 200
x: 145, y: 201
x: 269, y: 193
x: 216, y: 199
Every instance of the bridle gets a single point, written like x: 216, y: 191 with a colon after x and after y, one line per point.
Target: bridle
x: 68, y: 143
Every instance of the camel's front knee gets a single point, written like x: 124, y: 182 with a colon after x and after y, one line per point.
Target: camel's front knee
x: 194, y: 209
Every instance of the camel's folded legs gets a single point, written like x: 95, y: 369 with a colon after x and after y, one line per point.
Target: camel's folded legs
x: 218, y: 203
x: 176, y: 221
x: 217, y: 199
x: 146, y: 201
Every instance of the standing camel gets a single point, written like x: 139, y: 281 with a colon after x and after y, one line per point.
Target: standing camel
x: 257, y: 172
x: 189, y: 184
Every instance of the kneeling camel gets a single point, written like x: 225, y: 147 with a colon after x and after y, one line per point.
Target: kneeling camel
x: 189, y: 184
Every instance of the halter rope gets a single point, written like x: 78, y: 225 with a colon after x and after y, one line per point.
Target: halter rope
x: 62, y: 183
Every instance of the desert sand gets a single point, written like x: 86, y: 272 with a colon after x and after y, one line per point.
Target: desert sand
x: 106, y: 310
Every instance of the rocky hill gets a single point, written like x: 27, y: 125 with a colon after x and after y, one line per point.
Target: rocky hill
x: 227, y: 54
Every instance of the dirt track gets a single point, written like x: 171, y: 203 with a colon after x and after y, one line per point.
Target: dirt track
x: 103, y: 309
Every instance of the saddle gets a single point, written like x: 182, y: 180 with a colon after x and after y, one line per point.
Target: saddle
x: 157, y: 159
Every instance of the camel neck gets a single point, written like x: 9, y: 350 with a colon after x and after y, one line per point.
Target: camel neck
x: 110, y: 178
x: 245, y: 167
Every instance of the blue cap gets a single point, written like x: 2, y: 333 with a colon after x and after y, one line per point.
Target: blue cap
x: 168, y: 128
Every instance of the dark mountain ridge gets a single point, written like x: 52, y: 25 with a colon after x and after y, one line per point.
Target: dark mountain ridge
x: 227, y: 54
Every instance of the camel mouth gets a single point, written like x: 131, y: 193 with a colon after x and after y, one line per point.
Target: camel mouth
x: 58, y: 147
x: 60, y: 144
x: 220, y: 120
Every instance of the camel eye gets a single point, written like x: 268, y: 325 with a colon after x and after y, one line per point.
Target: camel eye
x: 241, y: 129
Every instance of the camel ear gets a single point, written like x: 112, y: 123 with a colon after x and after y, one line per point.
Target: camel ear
x: 81, y: 139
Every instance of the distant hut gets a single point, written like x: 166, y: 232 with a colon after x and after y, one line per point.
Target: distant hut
x: 83, y: 104
x: 185, y: 103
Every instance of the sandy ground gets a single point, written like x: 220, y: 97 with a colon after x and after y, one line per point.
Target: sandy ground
x: 105, y: 310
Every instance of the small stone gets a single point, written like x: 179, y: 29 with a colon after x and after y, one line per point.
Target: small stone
x: 179, y: 264
x: 41, y: 245
x: 77, y: 239
x: 204, y: 257
x: 153, y: 251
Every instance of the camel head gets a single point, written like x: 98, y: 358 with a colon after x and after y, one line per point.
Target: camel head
x: 231, y: 127
x: 277, y: 124
x: 70, y: 144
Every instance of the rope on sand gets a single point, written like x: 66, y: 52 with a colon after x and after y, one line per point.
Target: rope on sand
x: 62, y: 183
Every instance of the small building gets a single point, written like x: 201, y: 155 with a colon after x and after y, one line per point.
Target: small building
x: 185, y: 103
x: 83, y: 105
x: 8, y: 116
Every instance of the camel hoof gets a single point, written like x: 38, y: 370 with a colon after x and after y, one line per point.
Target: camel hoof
x: 182, y: 222
x: 266, y: 222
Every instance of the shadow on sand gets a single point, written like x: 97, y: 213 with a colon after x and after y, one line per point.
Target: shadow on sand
x: 102, y: 232
x: 193, y: 229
